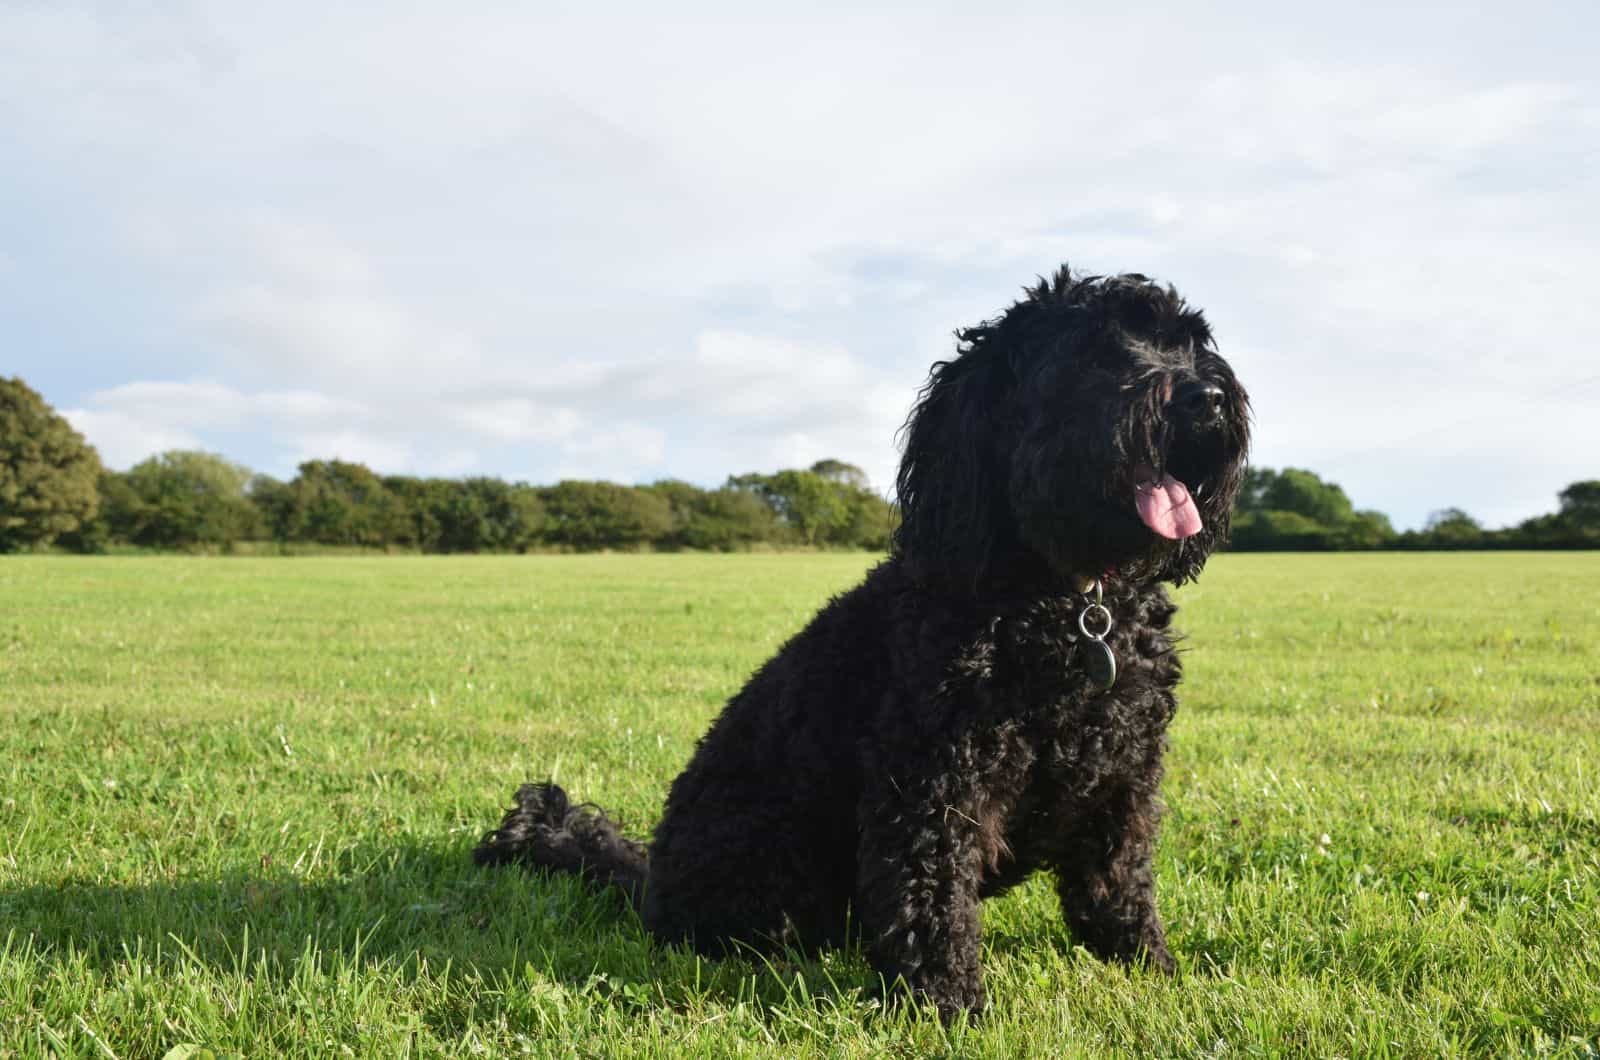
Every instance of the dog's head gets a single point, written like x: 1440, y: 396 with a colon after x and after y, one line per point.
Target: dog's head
x: 1090, y: 428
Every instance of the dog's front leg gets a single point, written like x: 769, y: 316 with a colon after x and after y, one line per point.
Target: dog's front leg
x: 1106, y: 884
x: 919, y: 866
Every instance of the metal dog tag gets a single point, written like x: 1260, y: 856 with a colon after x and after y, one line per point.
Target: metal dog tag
x: 1100, y: 663
x: 1094, y: 622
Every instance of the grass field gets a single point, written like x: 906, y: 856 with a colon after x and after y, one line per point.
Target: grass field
x: 237, y: 796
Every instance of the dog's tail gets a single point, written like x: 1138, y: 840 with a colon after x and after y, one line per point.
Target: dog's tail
x: 546, y: 831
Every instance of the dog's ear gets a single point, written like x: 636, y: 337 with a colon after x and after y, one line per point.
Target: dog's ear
x: 953, y: 482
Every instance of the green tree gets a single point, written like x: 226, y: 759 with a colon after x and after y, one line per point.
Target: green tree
x: 729, y: 519
x: 1452, y: 528
x: 1365, y: 530
x: 683, y: 498
x: 119, y: 512
x: 48, y: 473
x: 594, y: 515
x: 423, y: 500
x: 333, y: 502
x: 842, y: 473
x: 1575, y: 525
x: 813, y: 507
x: 721, y: 520
x: 1304, y: 493
x: 1295, y: 509
x: 487, y: 515
x: 871, y: 521
x: 1254, y: 488
x: 1580, y: 504
x: 187, y: 499
x: 1275, y: 531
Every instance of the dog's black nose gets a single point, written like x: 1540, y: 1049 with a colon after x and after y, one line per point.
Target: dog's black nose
x: 1199, y: 402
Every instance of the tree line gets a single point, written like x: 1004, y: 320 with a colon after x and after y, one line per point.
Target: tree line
x: 1294, y: 510
x: 54, y: 492
x: 190, y: 500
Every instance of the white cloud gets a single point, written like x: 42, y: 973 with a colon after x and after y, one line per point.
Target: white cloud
x: 628, y: 452
x: 729, y: 402
x: 123, y: 440
x: 355, y: 446
x: 193, y: 405
x: 513, y: 419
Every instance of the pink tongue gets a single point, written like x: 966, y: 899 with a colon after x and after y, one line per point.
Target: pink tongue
x: 1166, y: 507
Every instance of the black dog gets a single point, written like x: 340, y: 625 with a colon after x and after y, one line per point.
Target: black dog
x: 975, y: 710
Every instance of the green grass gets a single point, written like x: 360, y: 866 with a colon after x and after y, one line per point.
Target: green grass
x: 237, y: 796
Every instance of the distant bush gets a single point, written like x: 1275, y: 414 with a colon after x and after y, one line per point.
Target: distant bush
x: 828, y: 504
x: 184, y: 499
x: 597, y: 515
x: 721, y: 520
x: 332, y: 502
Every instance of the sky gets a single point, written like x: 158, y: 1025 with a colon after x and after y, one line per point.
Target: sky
x: 546, y: 241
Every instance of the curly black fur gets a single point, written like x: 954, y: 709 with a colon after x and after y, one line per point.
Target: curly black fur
x: 933, y: 736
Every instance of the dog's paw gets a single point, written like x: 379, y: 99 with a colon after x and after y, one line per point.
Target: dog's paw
x: 1158, y: 959
x: 1148, y: 955
x: 969, y: 1007
x: 955, y: 1002
x: 953, y: 999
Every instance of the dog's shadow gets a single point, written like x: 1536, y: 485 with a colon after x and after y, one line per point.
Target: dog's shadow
x: 408, y: 910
